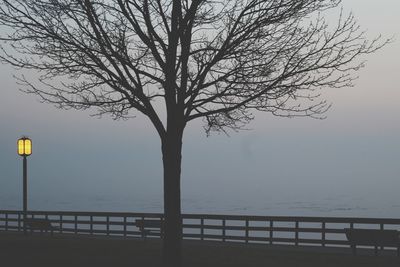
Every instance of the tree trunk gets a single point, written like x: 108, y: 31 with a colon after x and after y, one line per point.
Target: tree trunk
x: 172, y: 155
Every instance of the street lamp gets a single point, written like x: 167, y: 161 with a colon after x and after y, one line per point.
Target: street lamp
x: 24, y: 149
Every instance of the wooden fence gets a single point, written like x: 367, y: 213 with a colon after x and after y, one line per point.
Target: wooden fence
x: 317, y: 231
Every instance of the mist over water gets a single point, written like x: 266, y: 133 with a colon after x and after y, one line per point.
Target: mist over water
x: 308, y: 171
x: 346, y: 206
x: 346, y: 165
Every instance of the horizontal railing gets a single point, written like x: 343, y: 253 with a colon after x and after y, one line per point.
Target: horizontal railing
x: 318, y: 231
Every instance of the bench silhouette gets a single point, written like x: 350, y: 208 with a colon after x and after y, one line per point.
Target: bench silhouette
x: 372, y: 237
x: 149, y: 226
x: 39, y: 224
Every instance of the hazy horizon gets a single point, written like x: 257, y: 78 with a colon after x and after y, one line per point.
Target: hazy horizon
x: 352, y: 157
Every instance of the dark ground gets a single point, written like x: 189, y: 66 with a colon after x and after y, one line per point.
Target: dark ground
x: 76, y: 251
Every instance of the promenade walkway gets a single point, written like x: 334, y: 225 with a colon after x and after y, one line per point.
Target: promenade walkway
x: 16, y: 250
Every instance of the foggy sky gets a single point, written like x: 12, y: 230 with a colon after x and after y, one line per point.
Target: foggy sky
x: 354, y: 152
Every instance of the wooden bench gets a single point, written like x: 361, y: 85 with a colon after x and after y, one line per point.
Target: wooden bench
x: 149, y: 226
x: 372, y: 237
x: 39, y: 224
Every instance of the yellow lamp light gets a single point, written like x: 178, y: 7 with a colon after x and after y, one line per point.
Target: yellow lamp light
x: 24, y: 146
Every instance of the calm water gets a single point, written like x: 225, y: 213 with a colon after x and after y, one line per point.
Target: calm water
x: 301, y: 206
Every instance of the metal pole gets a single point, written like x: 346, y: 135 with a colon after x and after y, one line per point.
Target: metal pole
x: 25, y: 189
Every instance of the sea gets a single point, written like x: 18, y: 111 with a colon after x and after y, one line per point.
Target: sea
x: 339, y: 206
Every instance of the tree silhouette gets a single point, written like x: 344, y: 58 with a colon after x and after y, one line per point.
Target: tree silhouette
x: 177, y: 61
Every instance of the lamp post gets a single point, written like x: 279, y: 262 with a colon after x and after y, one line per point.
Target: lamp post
x: 24, y: 149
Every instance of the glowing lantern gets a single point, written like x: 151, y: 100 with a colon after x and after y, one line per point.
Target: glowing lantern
x: 24, y: 145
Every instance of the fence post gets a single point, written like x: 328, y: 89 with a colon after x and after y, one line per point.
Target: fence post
x: 223, y: 230
x: 323, y: 234
x: 91, y: 224
x: 76, y: 224
x: 247, y: 231
x: 61, y: 224
x: 19, y: 222
x: 382, y: 228
x: 46, y: 216
x: 351, y: 227
x: 143, y: 232
x: 271, y: 232
x: 202, y: 228
x: 124, y: 226
x: 296, y: 242
x: 6, y: 222
x: 108, y: 225
x: 162, y: 226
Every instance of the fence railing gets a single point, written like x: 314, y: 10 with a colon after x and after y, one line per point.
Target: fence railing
x: 317, y: 231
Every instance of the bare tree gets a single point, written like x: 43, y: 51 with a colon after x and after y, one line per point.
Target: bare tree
x: 177, y: 61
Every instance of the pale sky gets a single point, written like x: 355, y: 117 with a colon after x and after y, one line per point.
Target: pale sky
x: 354, y: 152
